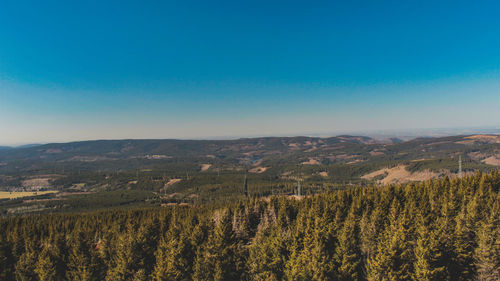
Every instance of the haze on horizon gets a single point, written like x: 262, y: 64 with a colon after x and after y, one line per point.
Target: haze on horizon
x: 197, y: 69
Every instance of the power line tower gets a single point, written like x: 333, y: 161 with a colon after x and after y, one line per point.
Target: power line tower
x: 245, y: 186
x: 299, y: 188
x: 460, y: 166
x: 299, y: 185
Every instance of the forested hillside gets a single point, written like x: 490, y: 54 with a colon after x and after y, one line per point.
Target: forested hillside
x: 91, y: 175
x: 445, y: 229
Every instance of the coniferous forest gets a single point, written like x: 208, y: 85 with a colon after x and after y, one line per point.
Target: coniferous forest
x: 446, y: 229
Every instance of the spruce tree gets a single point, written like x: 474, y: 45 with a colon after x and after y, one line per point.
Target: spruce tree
x: 173, y: 258
x: 83, y: 261
x: 123, y: 263
x: 487, y: 253
x: 428, y: 255
x: 217, y: 260
x: 268, y: 250
x: 6, y: 260
x: 463, y: 247
x: 394, y: 256
x: 25, y: 266
x: 347, y: 252
x: 45, y: 268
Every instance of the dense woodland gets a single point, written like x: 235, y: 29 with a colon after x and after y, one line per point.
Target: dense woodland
x: 447, y: 229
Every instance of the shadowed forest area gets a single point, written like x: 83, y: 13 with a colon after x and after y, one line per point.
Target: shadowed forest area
x: 443, y: 229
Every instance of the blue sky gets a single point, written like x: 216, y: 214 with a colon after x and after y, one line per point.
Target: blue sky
x: 76, y: 70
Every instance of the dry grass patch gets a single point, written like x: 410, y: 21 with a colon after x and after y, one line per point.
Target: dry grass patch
x: 36, y: 182
x: 323, y: 174
x: 481, y: 139
x: 205, y: 167
x: 258, y: 170
x: 311, y: 161
x: 20, y: 194
x: 355, y: 161
x: 492, y: 160
x: 376, y: 153
x: 400, y: 174
x: 172, y: 182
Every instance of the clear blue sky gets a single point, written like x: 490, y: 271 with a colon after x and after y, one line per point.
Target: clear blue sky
x: 75, y: 70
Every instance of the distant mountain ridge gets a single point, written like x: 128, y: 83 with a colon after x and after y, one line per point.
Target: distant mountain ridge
x: 262, y: 146
x: 255, y: 154
x: 28, y: 145
x: 175, y: 147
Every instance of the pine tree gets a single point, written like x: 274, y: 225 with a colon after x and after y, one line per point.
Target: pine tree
x: 46, y: 266
x: 267, y: 254
x: 82, y: 261
x: 369, y: 227
x: 6, y: 260
x: 241, y: 223
x: 217, y: 260
x: 294, y: 267
x: 428, y: 255
x: 347, y: 252
x: 312, y: 259
x: 123, y: 262
x: 487, y: 253
x: 320, y: 250
x: 394, y: 257
x: 462, y: 267
x: 173, y: 258
x: 25, y: 266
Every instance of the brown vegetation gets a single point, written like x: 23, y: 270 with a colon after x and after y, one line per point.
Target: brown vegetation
x: 400, y: 174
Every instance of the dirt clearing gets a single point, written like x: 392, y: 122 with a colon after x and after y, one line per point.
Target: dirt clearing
x: 205, y: 167
x: 323, y: 174
x: 492, y: 160
x: 311, y: 161
x: 258, y: 170
x: 399, y: 174
x: 170, y: 183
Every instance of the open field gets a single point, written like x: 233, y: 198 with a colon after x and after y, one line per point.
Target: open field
x: 13, y: 195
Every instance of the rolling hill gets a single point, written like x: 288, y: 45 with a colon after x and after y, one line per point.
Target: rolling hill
x: 177, y: 171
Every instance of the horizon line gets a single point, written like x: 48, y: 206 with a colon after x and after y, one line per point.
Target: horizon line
x: 374, y: 134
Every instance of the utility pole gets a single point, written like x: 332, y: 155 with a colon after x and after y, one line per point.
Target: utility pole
x: 245, y: 186
x: 460, y: 166
x: 299, y: 177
